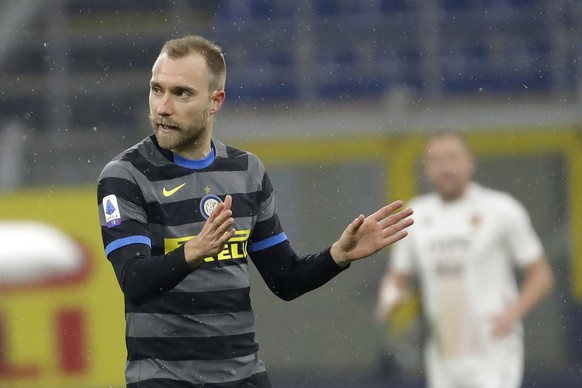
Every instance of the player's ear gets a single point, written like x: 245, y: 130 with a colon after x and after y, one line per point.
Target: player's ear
x: 216, y: 100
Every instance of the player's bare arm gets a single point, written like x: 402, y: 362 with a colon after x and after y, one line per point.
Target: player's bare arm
x: 216, y: 232
x: 394, y: 290
x: 367, y: 235
x: 538, y: 283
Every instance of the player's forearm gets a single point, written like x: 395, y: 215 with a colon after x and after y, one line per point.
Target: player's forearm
x: 538, y: 283
x: 290, y: 275
x: 143, y: 277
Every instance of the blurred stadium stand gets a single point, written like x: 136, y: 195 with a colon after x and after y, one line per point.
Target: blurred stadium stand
x: 74, y: 76
x: 82, y: 65
x: 285, y: 51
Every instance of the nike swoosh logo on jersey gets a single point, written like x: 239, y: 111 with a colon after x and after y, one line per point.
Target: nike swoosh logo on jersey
x: 167, y: 193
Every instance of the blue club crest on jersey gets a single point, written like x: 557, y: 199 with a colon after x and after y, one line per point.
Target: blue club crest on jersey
x: 208, y: 203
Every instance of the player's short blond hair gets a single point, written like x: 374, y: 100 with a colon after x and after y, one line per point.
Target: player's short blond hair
x: 212, y: 53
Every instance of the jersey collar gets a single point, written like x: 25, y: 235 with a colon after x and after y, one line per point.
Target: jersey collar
x: 196, y: 164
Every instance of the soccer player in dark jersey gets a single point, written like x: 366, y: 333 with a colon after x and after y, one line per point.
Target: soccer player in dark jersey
x: 181, y: 215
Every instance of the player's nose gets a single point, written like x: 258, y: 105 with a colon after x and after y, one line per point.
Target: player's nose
x: 164, y: 107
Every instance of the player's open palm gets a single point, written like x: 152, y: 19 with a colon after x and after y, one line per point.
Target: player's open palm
x: 367, y: 235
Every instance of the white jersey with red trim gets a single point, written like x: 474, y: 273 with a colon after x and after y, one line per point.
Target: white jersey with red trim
x: 464, y: 252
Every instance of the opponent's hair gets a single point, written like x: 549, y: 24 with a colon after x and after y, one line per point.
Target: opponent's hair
x: 212, y: 53
x: 448, y: 133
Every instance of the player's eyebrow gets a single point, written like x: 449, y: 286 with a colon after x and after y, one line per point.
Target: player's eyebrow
x: 177, y: 88
x: 183, y: 88
x: 154, y: 83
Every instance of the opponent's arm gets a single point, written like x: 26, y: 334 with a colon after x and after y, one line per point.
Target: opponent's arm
x: 526, y: 249
x: 394, y: 289
x: 538, y: 283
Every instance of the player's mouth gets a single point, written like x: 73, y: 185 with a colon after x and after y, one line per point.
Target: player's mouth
x: 166, y: 128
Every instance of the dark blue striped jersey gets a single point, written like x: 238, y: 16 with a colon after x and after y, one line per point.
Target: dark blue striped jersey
x: 186, y: 328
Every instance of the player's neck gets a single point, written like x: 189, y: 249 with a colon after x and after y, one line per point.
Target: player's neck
x: 198, y: 149
x: 454, y: 197
x: 200, y: 152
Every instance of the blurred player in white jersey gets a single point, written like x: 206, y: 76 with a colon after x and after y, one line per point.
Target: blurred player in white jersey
x: 462, y: 248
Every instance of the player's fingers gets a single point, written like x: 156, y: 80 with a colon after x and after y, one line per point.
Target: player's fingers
x: 401, y: 225
x: 384, y: 212
x: 216, y: 220
x: 355, y: 224
x: 498, y: 331
x: 395, y: 219
x: 223, y: 216
x: 223, y: 226
x: 228, y: 202
x: 216, y: 212
x: 220, y: 208
x: 396, y: 232
x: 227, y: 235
x: 392, y: 238
x: 500, y: 326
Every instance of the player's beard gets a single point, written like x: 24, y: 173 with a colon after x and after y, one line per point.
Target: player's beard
x: 180, y: 138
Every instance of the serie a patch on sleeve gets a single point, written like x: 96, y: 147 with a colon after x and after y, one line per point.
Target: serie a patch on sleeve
x: 111, y: 210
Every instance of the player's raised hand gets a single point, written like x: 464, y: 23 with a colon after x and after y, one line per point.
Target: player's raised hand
x: 367, y: 235
x: 217, y: 230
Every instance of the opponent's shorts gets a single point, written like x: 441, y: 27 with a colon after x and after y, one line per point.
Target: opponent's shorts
x: 501, y: 366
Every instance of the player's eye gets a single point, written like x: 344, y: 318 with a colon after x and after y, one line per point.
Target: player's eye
x: 184, y: 94
x: 155, y: 89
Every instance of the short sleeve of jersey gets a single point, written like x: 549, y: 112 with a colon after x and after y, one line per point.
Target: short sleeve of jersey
x: 268, y: 231
x: 402, y: 257
x: 121, y: 209
x: 522, y: 240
